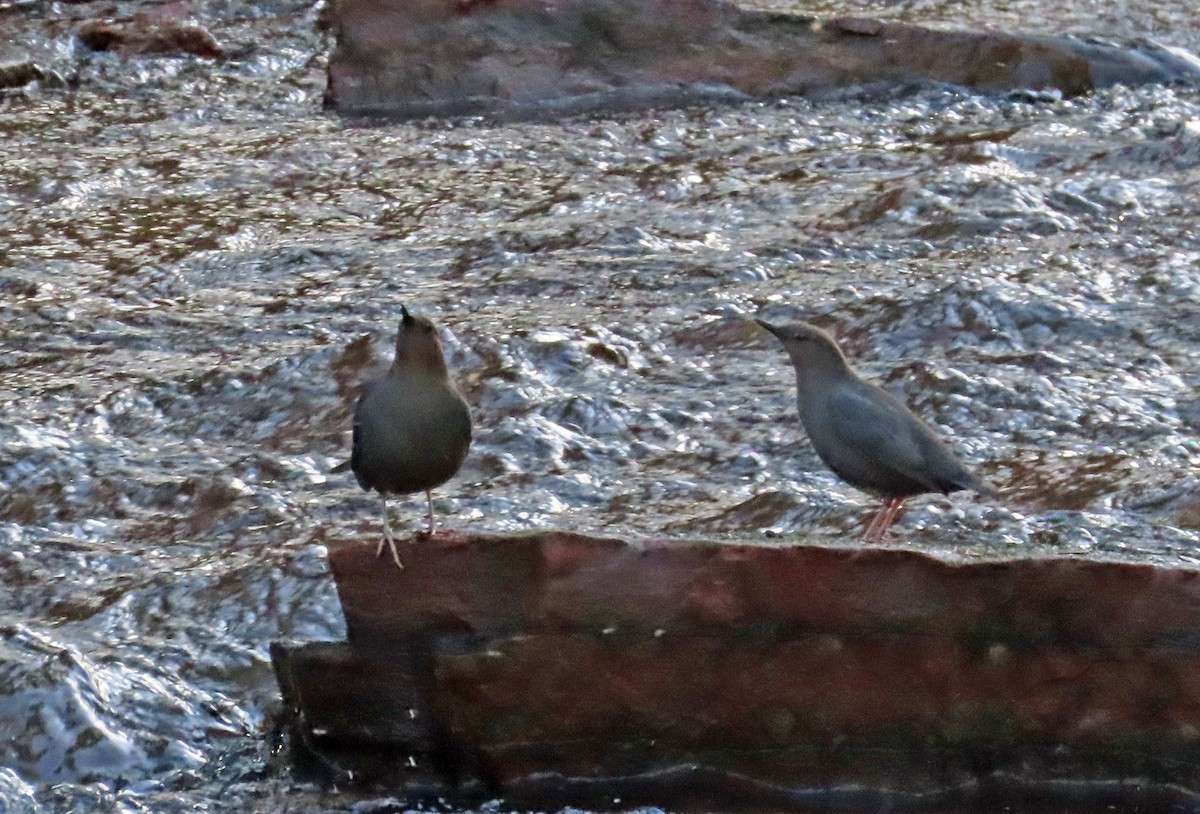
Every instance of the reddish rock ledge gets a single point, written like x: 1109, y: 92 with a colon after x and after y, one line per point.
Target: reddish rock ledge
x: 537, y: 58
x: 556, y: 669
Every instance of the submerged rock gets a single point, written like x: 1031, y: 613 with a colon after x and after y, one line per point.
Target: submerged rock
x: 524, y: 58
x: 141, y: 37
x: 15, y: 73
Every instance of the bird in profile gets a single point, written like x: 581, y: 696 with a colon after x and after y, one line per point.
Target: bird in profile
x: 864, y: 434
x: 411, y: 427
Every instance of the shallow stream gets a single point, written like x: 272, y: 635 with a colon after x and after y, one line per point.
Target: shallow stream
x: 198, y: 266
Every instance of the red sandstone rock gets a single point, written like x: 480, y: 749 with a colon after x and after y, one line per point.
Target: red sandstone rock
x: 539, y: 57
x: 556, y: 668
x: 563, y: 582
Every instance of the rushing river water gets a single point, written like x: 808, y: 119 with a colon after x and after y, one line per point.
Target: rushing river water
x: 193, y: 257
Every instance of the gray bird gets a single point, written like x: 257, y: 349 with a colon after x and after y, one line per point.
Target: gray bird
x: 864, y: 434
x: 411, y: 427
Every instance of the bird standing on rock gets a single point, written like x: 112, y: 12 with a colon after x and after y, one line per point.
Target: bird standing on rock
x: 865, y: 435
x: 411, y: 427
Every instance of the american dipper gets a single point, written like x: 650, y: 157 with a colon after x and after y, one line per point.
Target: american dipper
x: 865, y: 435
x: 411, y: 427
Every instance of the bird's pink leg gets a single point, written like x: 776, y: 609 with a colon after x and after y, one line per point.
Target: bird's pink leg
x: 889, y: 517
x: 388, y: 539
x: 875, y: 519
x: 432, y: 522
x: 881, y: 520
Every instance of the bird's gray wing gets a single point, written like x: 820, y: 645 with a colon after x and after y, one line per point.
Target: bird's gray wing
x: 881, y: 433
x: 464, y: 427
x: 459, y: 420
x: 356, y: 444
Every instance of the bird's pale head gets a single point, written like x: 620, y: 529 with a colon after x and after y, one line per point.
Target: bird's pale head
x: 811, y: 349
x: 418, y: 347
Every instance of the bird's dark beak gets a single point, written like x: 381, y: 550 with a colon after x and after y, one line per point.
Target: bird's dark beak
x: 768, y: 326
x: 404, y: 315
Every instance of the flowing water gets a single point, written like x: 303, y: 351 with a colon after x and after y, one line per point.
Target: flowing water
x: 198, y: 266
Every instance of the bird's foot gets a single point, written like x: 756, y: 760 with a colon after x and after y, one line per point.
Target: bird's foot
x: 442, y: 534
x: 873, y: 524
x: 877, y: 528
x: 391, y: 544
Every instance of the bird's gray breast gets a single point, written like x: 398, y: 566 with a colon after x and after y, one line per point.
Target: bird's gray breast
x: 410, y: 434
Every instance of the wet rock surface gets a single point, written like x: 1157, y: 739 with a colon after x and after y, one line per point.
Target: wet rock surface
x: 198, y: 267
x: 494, y: 662
x: 149, y: 38
x: 16, y: 72
x: 530, y: 58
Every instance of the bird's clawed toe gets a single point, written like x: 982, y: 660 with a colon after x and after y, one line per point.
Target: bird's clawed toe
x: 388, y: 540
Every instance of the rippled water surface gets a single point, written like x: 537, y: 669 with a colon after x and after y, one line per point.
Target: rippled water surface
x: 198, y: 267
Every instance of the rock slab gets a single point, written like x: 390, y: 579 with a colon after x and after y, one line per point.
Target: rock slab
x: 563, y: 669
x: 538, y: 58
